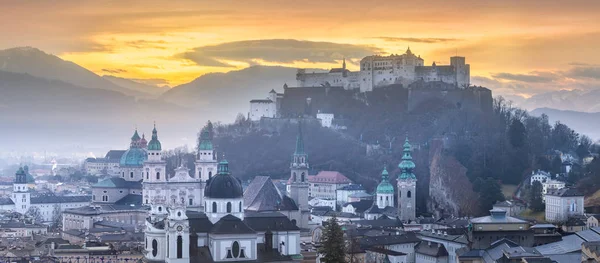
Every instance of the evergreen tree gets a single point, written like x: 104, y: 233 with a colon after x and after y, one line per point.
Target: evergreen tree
x: 517, y: 134
x: 535, y: 197
x: 489, y: 191
x: 332, y: 242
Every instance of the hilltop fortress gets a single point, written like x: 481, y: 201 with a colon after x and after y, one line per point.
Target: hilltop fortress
x: 379, y: 71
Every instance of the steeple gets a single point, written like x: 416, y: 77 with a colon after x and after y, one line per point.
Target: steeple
x: 407, y: 164
x: 205, y: 141
x: 299, y: 141
x: 154, y: 144
x: 344, y: 64
x: 408, y: 51
x: 20, y: 176
x: 135, y: 139
x: 223, y: 167
x: 385, y: 187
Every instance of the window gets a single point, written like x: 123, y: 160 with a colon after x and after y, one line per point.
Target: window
x: 408, y: 194
x: 209, y: 174
x: 191, y: 201
x: 131, y: 175
x: 179, y: 247
x: 228, y: 207
x: 214, y: 207
x: 302, y: 176
x: 293, y: 177
x: 240, y: 206
x: 154, y: 247
x: 157, y: 175
x: 147, y: 175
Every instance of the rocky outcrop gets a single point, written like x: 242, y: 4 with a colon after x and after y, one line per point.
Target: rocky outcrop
x: 450, y: 191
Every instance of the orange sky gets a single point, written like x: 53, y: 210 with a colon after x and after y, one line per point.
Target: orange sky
x: 506, y: 42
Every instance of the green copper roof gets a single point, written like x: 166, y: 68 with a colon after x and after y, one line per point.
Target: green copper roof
x: 385, y: 187
x: 135, y: 136
x: 134, y: 157
x: 154, y: 144
x: 223, y: 167
x: 299, y: 141
x: 205, y: 142
x: 407, y: 165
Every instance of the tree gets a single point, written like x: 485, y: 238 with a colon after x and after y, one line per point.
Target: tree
x: 535, y: 197
x: 332, y: 242
x: 489, y: 191
x: 517, y: 134
x: 34, y: 213
x: 56, y: 217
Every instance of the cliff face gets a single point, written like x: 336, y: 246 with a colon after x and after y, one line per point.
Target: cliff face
x: 450, y: 191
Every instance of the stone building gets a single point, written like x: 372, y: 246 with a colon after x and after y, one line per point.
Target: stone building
x: 562, y: 204
x: 488, y: 229
x: 377, y: 71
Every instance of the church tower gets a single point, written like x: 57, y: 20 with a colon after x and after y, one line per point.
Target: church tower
x: 407, y: 186
x: 298, y: 183
x: 21, y: 196
x: 155, y: 175
x: 385, y: 191
x: 206, y: 161
x: 178, y: 236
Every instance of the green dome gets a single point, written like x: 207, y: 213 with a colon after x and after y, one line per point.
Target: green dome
x: 134, y: 157
x: 407, y: 165
x: 205, y: 142
x: 136, y: 136
x: 154, y: 144
x: 385, y: 187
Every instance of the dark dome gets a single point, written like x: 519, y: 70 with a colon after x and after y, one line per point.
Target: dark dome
x: 223, y: 185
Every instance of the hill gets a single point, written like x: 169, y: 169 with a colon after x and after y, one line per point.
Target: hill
x: 144, y: 90
x: 40, y: 64
x: 583, y: 122
x: 223, y: 95
x: 38, y: 113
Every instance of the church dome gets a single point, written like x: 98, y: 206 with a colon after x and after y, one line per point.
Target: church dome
x: 223, y: 185
x: 385, y: 187
x: 133, y: 157
x: 205, y: 142
x: 154, y: 144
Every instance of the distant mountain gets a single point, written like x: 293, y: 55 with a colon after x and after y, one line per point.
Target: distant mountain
x: 223, y: 95
x: 152, y: 91
x: 37, y: 112
x: 40, y: 64
x: 575, y: 100
x: 582, y: 122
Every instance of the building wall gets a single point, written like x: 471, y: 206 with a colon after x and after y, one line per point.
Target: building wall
x: 262, y: 109
x: 343, y: 195
x: 450, y: 246
x: 326, y: 119
x: 559, y: 209
x: 108, y: 195
x: 483, y: 239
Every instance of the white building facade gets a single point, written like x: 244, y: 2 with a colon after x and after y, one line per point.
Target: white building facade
x: 562, y: 204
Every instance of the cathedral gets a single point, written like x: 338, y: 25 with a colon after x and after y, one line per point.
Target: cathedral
x: 202, y: 217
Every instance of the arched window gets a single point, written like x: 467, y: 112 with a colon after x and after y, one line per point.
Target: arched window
x: 235, y: 249
x: 214, y: 210
x: 302, y: 177
x: 131, y: 175
x: 209, y: 174
x: 228, y: 207
x: 293, y: 177
x: 399, y: 194
x: 179, y: 247
x: 154, y: 247
x: 381, y: 198
x: 157, y: 175
x: 386, y: 198
x: 147, y: 175
x: 240, y: 206
x: 408, y: 194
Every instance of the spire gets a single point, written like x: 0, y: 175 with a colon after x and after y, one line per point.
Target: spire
x: 408, y: 50
x: 299, y: 141
x: 407, y: 165
x: 223, y: 167
x: 384, y: 186
x: 344, y: 64
x: 154, y: 144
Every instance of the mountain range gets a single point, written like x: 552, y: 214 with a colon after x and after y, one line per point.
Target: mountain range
x: 46, y: 101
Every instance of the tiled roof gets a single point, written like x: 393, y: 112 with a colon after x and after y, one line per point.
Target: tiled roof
x: 6, y: 201
x: 230, y: 224
x: 261, y: 101
x: 51, y: 199
x: 263, y: 195
x: 431, y: 249
x: 405, y: 238
x: 360, y: 206
x: 199, y: 222
x: 273, y: 221
x: 331, y: 177
x: 352, y: 187
x: 114, y: 155
x: 565, y: 192
x: 117, y: 182
x: 130, y: 200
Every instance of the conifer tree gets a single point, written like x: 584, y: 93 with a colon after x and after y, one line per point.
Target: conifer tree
x: 332, y: 242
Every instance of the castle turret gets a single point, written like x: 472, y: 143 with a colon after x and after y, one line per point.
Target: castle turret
x: 21, y: 196
x: 407, y: 185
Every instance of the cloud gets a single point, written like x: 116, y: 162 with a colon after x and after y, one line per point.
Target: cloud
x: 158, y: 44
x: 418, y: 40
x: 275, y: 51
x: 537, y: 77
x: 114, y: 71
x: 592, y: 72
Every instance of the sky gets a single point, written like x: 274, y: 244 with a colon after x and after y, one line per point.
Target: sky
x: 515, y: 47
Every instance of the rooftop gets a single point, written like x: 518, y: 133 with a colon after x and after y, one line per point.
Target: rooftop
x: 331, y: 177
x: 564, y: 192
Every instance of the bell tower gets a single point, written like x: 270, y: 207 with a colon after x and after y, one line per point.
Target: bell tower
x: 154, y: 171
x: 298, y: 183
x: 407, y: 185
x: 21, y: 196
x: 178, y: 236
